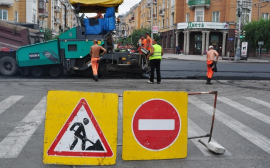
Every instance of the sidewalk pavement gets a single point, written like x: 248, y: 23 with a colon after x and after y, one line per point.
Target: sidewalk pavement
x: 203, y: 58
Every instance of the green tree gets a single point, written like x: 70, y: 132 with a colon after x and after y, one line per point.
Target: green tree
x: 57, y: 36
x: 257, y: 31
x: 48, y: 34
x: 136, y: 35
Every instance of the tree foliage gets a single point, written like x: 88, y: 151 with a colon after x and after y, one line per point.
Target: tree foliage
x: 136, y: 35
x: 48, y: 34
x: 257, y: 31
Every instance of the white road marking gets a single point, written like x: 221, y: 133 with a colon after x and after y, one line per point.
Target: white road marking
x: 8, y: 102
x: 11, y: 146
x: 266, y: 104
x: 195, y: 130
x: 120, y: 105
x: 156, y: 124
x: 246, y: 110
x: 243, y: 130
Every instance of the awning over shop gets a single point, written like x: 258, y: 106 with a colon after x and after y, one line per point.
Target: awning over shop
x: 89, y: 6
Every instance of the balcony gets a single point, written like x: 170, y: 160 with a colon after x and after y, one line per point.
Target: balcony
x: 154, y: 16
x: 132, y: 19
x: 56, y: 21
x: 148, y: 3
x: 148, y: 19
x: 193, y: 3
x: 43, y: 14
x: 161, y: 12
x: 57, y: 4
x: 57, y: 9
x: 129, y: 20
x: 8, y: 3
x: 172, y: 9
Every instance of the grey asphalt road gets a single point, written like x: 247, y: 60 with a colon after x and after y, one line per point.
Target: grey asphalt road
x: 174, y: 68
x: 242, y: 120
x: 182, y: 69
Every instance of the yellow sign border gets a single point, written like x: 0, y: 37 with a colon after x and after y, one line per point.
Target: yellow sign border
x: 134, y: 151
x: 60, y: 105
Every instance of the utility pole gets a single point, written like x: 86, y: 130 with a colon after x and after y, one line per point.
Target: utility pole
x: 259, y: 6
x: 152, y: 18
x: 237, y: 53
x: 259, y: 10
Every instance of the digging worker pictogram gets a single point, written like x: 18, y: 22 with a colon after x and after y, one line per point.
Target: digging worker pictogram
x: 79, y: 133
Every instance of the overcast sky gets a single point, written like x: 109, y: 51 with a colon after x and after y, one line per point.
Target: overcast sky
x: 126, y: 5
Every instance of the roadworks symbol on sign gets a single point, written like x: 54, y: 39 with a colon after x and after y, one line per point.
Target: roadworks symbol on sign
x: 81, y: 136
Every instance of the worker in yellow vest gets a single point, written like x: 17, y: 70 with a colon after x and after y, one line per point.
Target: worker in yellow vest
x: 155, y: 57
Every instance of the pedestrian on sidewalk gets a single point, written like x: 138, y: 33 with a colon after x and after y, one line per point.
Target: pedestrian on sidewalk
x: 155, y: 57
x: 94, y: 53
x: 211, y: 63
x: 177, y: 49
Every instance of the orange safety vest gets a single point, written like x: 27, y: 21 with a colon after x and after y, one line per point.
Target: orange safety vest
x: 148, y: 47
x: 145, y: 45
x: 144, y: 42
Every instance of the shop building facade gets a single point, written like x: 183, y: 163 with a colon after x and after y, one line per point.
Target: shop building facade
x: 180, y: 22
x: 195, y: 37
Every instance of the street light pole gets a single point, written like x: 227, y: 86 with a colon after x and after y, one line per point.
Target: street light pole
x: 237, y: 54
x: 259, y: 10
x: 152, y: 18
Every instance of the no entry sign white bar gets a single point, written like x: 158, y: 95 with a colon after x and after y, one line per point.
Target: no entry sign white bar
x: 156, y: 124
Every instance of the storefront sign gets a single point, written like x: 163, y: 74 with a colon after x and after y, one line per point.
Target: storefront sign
x: 205, y: 25
x: 155, y: 29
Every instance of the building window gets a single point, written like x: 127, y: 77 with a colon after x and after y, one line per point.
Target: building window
x: 171, y: 45
x: 265, y: 16
x: 245, y: 16
x: 3, y: 14
x: 168, y: 42
x: 41, y: 5
x: 167, y: 22
x: 215, y: 17
x: 187, y: 17
x: 163, y: 23
x: 172, y: 3
x: 163, y: 4
x: 199, y: 16
x: 172, y: 18
x: 34, y: 16
x: 16, y: 17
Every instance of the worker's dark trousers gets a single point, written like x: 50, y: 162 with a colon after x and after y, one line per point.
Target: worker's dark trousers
x: 155, y: 64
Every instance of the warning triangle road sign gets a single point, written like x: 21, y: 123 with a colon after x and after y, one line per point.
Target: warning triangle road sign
x: 81, y: 136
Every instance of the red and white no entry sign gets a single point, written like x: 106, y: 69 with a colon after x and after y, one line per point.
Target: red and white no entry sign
x: 156, y: 124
